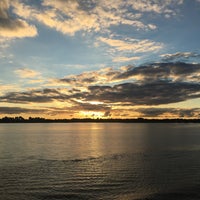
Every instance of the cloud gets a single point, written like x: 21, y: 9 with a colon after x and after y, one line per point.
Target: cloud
x: 29, y: 76
x: 144, y: 74
x: 102, y: 76
x: 73, y: 108
x: 135, y: 45
x: 72, y: 16
x: 4, y: 88
x: 36, y: 96
x: 27, y: 73
x: 4, y: 43
x: 150, y: 112
x: 19, y: 110
x: 89, y: 106
x: 179, y: 56
x: 151, y: 84
x: 174, y: 72
x: 125, y: 59
x: 67, y: 17
x: 158, y: 6
x: 157, y: 93
x: 14, y: 27
x: 169, y: 112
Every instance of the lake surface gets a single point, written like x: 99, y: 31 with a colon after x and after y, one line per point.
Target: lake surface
x: 107, y: 161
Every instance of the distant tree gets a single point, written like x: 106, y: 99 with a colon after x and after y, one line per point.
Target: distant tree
x: 19, y: 119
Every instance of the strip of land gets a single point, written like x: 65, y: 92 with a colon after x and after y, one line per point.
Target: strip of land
x: 99, y: 120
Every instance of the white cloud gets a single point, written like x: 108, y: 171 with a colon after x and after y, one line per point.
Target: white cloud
x: 135, y: 45
x: 70, y: 16
x: 156, y: 6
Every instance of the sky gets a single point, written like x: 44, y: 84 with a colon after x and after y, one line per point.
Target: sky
x: 100, y: 58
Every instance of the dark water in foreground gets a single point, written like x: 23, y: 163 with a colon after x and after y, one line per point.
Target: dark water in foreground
x: 99, y: 161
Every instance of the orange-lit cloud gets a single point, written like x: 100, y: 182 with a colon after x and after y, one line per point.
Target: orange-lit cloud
x: 5, y: 88
x: 27, y: 73
x: 125, y: 59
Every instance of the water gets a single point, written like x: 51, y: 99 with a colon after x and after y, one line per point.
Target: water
x: 99, y: 161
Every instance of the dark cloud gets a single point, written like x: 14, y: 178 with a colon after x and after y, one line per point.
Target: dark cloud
x: 156, y: 93
x: 87, y: 5
x: 156, y: 112
x: 13, y: 27
x: 173, y: 71
x: 179, y: 56
x: 107, y: 114
x: 162, y: 83
x: 105, y: 75
x: 4, y: 6
x: 11, y: 24
x: 155, y: 71
x: 19, y: 110
x: 36, y: 96
x: 91, y: 107
x: 77, y: 80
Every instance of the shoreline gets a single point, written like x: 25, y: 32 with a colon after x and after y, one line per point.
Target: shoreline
x: 88, y: 120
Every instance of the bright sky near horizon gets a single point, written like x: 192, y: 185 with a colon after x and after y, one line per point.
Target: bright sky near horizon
x: 100, y: 58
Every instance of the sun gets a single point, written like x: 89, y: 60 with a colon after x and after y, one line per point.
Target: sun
x: 96, y: 102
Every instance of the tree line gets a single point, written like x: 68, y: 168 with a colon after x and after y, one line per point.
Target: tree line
x: 20, y: 119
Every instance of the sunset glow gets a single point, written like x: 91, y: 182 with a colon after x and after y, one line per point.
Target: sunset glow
x: 91, y: 114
